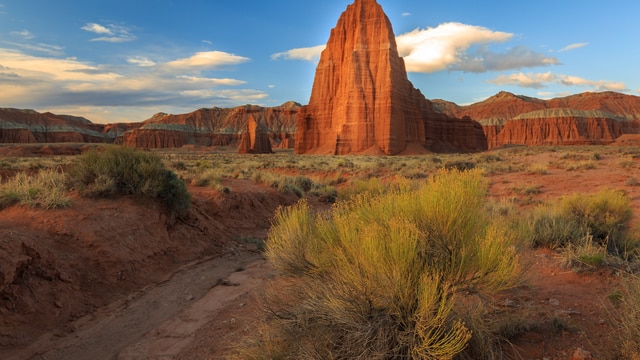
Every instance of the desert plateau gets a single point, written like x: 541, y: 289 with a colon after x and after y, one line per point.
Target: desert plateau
x: 369, y: 223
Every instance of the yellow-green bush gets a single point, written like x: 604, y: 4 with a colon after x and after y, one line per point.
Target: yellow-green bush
x: 378, y: 276
x: 602, y: 217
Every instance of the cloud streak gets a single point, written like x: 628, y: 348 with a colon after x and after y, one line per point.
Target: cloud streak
x: 573, y: 47
x: 109, y: 33
x: 449, y: 46
x: 24, y: 34
x: 207, y: 60
x: 541, y: 80
x: 306, y: 54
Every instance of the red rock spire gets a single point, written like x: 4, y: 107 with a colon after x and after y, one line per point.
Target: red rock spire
x: 360, y: 97
x: 362, y: 100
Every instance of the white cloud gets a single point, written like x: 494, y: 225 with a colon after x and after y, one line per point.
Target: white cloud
x: 435, y: 49
x: 207, y: 60
x: 207, y: 42
x: 600, y: 85
x: 535, y: 81
x: 573, y: 47
x: 141, y: 61
x: 540, y: 80
x: 406, y: 14
x: 447, y: 46
x: 307, y: 54
x: 97, y: 28
x: 112, y: 33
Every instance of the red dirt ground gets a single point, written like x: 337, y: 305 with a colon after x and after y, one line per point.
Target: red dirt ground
x: 114, y: 279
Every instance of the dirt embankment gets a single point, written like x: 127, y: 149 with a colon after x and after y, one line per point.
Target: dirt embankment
x: 63, y: 271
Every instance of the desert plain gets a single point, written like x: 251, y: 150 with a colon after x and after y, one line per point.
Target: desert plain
x: 116, y: 278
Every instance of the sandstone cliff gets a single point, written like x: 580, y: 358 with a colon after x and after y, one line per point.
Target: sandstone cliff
x: 363, y: 102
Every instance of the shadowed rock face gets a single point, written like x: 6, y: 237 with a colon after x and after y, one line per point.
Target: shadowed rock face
x: 362, y: 100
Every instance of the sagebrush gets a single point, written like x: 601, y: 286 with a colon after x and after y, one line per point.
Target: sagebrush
x: 380, y: 275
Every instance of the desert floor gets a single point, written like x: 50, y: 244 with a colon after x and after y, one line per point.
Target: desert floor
x: 115, y: 278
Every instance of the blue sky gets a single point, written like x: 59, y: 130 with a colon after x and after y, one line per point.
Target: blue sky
x: 123, y: 61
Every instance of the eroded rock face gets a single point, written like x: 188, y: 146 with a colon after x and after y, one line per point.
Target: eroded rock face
x: 362, y: 100
x: 569, y: 130
x: 255, y: 140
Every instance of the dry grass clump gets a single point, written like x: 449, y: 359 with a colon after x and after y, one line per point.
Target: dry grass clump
x: 382, y: 276
x: 46, y: 190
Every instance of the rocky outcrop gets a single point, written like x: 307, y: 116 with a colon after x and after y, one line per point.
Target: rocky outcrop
x: 212, y: 127
x: 363, y: 102
x: 255, y: 139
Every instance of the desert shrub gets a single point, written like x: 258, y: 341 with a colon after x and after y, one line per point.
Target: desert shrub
x: 603, y: 217
x: 380, y: 275
x: 46, y: 189
x: 120, y: 170
x: 459, y: 165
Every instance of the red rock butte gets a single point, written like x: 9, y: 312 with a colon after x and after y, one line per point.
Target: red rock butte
x: 363, y: 102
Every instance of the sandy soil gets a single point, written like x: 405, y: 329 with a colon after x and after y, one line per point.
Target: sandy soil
x: 111, y: 279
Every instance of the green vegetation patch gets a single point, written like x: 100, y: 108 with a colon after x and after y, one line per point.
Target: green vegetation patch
x: 119, y: 170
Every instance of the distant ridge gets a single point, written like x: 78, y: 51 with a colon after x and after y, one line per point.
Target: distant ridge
x: 616, y: 113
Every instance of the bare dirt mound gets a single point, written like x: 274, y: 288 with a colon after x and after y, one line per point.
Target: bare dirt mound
x: 57, y: 266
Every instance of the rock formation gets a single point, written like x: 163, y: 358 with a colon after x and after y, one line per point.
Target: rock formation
x: 587, y: 118
x: 212, y: 127
x: 29, y: 126
x: 363, y: 102
x: 255, y: 139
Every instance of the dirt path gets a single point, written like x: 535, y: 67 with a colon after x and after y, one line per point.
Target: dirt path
x: 156, y: 322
